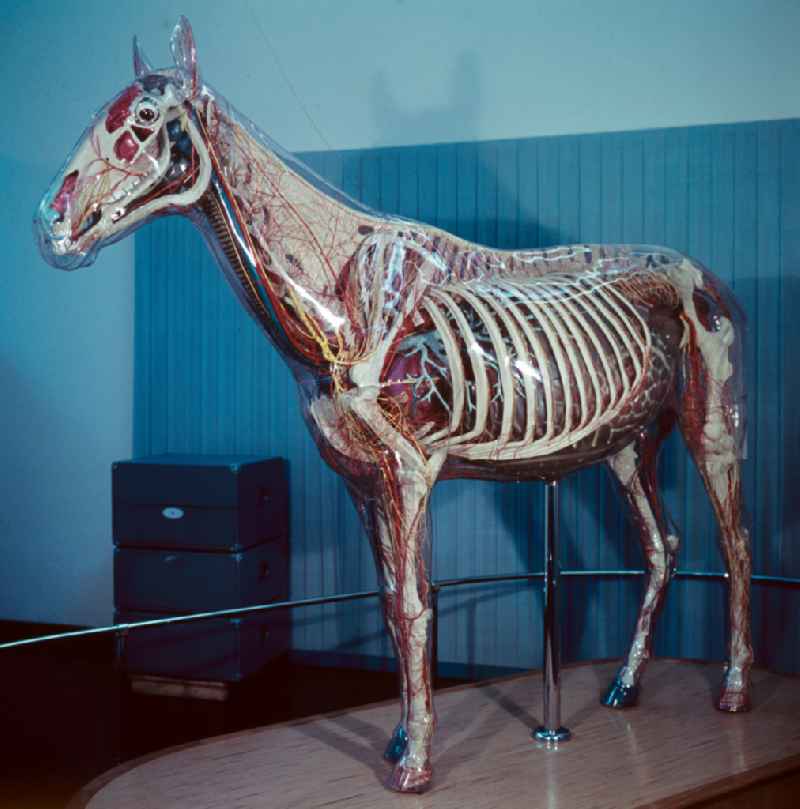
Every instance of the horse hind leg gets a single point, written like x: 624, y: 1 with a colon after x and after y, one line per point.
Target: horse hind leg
x: 720, y: 471
x: 710, y: 433
x: 634, y: 469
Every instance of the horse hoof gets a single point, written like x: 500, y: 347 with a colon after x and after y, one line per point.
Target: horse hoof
x: 411, y: 779
x: 733, y: 701
x: 397, y: 745
x: 620, y: 695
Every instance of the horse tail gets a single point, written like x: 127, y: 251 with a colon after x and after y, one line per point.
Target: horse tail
x: 712, y: 412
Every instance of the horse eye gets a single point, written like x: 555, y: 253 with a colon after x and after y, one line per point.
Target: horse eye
x: 146, y: 111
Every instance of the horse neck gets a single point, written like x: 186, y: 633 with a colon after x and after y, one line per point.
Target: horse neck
x: 283, y: 242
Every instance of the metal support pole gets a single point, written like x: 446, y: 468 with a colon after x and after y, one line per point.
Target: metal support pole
x: 120, y: 638
x: 551, y: 732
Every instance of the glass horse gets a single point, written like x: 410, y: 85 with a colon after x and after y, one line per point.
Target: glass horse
x: 420, y: 356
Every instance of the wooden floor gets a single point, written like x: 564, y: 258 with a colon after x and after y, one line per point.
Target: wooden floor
x: 674, y: 750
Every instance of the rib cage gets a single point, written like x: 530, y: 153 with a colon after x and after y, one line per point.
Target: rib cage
x: 569, y: 351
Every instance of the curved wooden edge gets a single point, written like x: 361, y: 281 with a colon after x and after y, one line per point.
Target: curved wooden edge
x: 725, y: 787
x: 81, y: 799
x: 88, y: 791
x: 735, y: 782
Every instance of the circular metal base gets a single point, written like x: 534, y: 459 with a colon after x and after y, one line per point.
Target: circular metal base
x: 551, y: 737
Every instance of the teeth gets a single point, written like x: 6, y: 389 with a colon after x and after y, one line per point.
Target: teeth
x: 126, y: 192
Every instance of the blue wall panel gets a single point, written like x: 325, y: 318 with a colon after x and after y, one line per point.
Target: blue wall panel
x: 206, y: 381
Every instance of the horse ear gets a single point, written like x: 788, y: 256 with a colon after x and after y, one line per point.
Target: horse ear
x: 184, y: 53
x: 141, y: 64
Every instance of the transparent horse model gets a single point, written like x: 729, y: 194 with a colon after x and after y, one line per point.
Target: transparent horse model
x: 420, y: 356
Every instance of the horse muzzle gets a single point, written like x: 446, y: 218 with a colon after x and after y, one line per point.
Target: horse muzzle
x: 58, y: 245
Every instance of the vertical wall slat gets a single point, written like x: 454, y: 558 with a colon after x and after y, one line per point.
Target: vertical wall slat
x: 489, y: 537
x: 767, y: 335
x: 446, y: 551
x: 676, y: 467
x: 528, y: 234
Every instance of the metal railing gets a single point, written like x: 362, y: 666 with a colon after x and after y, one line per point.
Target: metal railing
x: 121, y: 630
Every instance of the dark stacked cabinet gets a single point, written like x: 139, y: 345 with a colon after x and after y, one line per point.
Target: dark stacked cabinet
x: 198, y: 533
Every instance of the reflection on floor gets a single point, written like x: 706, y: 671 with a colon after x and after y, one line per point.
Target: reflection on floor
x: 66, y: 716
x: 674, y: 750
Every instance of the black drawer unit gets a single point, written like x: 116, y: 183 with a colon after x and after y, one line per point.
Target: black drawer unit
x: 199, y: 533
x: 199, y: 502
x: 223, y: 650
x: 194, y: 581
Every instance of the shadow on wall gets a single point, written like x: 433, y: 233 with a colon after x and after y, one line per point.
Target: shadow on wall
x: 399, y: 123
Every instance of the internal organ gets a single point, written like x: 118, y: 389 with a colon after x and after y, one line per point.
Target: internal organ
x: 518, y: 369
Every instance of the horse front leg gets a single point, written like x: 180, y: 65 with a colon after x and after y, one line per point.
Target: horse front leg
x: 634, y: 468
x: 378, y: 533
x: 408, y: 610
x: 401, y: 493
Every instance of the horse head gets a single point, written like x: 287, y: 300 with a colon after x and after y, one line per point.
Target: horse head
x: 141, y: 156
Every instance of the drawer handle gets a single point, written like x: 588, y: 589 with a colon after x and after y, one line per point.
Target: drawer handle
x: 263, y: 571
x: 172, y: 513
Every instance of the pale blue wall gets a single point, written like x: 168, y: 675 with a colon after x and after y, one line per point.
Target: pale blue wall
x: 370, y: 74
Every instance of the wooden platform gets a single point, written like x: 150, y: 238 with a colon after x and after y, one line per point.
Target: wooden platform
x: 674, y: 750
